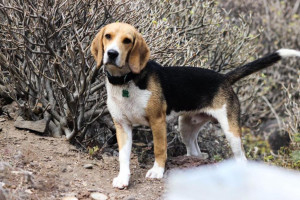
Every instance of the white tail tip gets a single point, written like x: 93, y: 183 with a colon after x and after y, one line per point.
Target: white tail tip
x: 288, y: 52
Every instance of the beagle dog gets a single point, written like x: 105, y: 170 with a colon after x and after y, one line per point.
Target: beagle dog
x: 142, y: 92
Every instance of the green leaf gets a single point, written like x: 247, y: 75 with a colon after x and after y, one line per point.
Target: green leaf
x: 217, y: 157
x: 297, y: 137
x: 269, y: 158
x: 295, y: 16
x: 91, y: 151
x: 296, y: 155
x: 95, y: 148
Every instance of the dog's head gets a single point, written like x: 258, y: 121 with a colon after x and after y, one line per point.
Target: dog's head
x: 119, y: 46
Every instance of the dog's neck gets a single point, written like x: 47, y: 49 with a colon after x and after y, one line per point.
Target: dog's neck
x: 118, y: 75
x: 120, y: 80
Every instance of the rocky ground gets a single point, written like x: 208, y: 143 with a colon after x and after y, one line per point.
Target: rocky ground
x: 38, y: 167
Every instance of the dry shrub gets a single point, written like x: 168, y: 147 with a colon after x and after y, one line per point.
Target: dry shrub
x: 277, y: 85
x: 291, y: 121
x: 275, y: 96
x: 46, y: 65
x: 47, y: 68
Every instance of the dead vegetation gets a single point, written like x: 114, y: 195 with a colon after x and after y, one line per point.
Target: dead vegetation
x: 274, y: 99
x: 47, y: 69
x: 46, y: 66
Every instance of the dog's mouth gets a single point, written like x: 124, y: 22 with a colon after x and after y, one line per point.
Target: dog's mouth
x: 116, y: 70
x: 113, y: 64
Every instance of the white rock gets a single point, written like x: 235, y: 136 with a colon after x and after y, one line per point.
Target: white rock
x: 234, y: 181
x: 98, y: 196
x: 69, y: 198
x: 28, y: 191
x: 2, y: 184
x: 88, y: 166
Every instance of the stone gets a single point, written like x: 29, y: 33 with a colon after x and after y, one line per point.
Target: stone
x: 98, y: 196
x: 279, y: 139
x: 37, y: 126
x: 122, y: 196
x: 13, y: 187
x: 130, y: 198
x: 140, y: 144
x: 88, y: 166
x: 11, y: 110
x: 28, y: 191
x: 69, y: 198
x: 69, y: 169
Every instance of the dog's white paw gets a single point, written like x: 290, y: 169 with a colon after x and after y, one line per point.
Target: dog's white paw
x: 155, y: 172
x: 121, y: 181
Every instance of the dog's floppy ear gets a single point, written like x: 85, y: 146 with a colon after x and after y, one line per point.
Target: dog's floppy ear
x: 139, y: 54
x: 97, y: 47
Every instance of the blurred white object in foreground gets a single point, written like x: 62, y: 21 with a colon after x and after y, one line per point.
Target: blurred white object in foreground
x: 231, y: 180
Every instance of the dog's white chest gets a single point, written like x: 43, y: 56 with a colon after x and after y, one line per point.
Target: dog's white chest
x: 127, y: 103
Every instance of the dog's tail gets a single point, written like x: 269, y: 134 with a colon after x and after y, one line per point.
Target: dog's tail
x: 261, y: 63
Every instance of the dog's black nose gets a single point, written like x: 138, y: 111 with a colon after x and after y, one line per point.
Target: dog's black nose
x: 112, y: 54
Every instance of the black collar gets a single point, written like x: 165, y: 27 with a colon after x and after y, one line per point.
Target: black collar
x: 120, y: 80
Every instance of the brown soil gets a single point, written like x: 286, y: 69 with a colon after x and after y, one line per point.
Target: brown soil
x: 37, y: 167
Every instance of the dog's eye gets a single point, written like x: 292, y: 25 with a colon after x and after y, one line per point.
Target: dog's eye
x: 126, y: 41
x: 108, y: 36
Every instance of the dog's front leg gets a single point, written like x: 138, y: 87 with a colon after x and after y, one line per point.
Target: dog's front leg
x: 159, y: 131
x: 124, y: 137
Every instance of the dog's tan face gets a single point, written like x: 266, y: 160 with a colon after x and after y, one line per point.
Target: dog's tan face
x: 120, y: 48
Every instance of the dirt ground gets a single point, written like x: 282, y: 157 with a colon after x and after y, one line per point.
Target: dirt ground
x: 37, y: 167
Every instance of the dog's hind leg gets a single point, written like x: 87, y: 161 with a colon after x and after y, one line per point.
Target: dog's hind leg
x: 189, y: 126
x: 228, y: 117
